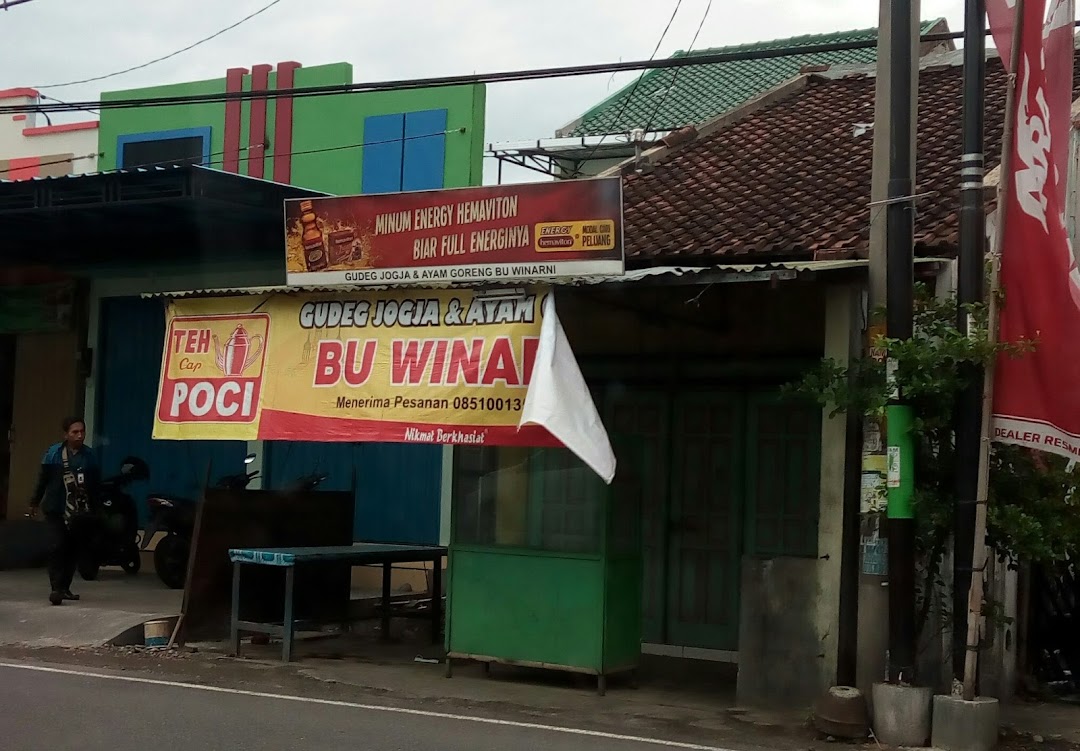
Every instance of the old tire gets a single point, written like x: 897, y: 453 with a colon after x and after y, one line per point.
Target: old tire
x: 89, y: 568
x: 170, y: 561
x: 133, y: 561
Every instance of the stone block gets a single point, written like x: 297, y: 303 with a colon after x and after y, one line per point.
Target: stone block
x: 780, y: 652
x: 902, y: 714
x: 966, y: 725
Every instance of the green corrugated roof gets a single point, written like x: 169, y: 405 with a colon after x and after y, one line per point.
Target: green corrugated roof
x: 702, y: 92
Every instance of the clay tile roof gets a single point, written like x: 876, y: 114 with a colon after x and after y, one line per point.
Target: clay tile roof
x: 791, y: 181
x: 665, y: 100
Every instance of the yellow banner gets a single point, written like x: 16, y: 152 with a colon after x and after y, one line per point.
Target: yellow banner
x: 424, y: 366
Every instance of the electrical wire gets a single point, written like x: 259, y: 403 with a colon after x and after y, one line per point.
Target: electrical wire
x: 5, y: 4
x: 634, y: 88
x: 69, y: 160
x: 675, y: 76
x: 61, y: 101
x: 169, y: 163
x: 324, y: 150
x: 469, y: 79
x: 156, y: 60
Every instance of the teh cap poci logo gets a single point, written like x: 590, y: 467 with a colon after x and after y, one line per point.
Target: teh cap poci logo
x: 213, y: 368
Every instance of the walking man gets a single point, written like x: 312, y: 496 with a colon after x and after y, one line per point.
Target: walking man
x: 68, y: 480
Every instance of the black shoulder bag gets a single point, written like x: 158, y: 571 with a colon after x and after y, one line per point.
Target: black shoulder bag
x: 76, y: 503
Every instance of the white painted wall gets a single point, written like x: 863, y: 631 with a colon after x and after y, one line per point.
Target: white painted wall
x: 20, y: 139
x: 840, y: 316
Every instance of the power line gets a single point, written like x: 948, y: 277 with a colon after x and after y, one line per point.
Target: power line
x: 323, y: 150
x: 633, y: 89
x: 5, y: 4
x: 61, y: 101
x: 156, y: 60
x: 675, y: 77
x: 168, y: 163
x: 69, y: 160
x: 470, y: 79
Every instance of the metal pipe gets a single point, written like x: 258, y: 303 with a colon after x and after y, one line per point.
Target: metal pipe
x: 848, y: 626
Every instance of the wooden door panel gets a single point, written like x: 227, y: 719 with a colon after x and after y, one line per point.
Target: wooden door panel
x: 45, y: 382
x: 706, y: 526
x: 783, y: 476
x: 644, y: 415
x: 7, y: 403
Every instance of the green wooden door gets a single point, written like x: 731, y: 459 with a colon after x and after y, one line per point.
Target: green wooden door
x: 783, y: 467
x: 705, y: 550
x: 724, y: 473
x: 645, y: 416
x: 565, y: 503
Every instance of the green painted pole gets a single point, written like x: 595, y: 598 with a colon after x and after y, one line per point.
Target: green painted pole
x: 901, y: 461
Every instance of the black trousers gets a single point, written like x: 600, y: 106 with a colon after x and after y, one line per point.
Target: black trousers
x: 65, y: 554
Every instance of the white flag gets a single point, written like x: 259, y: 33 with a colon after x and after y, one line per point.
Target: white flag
x: 559, y: 400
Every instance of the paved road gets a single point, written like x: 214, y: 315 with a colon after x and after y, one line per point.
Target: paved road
x: 65, y: 709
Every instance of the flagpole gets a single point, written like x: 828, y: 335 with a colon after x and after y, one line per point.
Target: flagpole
x: 1004, y: 188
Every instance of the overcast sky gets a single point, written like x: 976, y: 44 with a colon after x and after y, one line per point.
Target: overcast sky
x: 50, y: 41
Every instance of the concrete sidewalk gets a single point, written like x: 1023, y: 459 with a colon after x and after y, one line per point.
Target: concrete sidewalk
x: 695, y: 699
x: 109, y: 606
x: 1050, y: 721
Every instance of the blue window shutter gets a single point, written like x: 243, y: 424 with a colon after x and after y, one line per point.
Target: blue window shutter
x: 398, y: 493
x: 425, y: 150
x: 383, y: 141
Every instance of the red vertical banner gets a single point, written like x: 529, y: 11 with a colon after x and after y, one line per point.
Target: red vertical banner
x: 283, y: 123
x: 234, y: 83
x: 256, y: 156
x: 1037, y: 394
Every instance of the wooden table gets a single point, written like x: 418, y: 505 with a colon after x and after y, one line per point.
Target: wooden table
x: 362, y: 554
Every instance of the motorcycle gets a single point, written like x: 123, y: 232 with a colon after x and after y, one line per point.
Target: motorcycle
x: 306, y: 482
x: 175, y: 517
x: 111, y: 531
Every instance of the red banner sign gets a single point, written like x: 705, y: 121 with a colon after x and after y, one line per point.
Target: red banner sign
x: 1037, y: 395
x: 466, y: 235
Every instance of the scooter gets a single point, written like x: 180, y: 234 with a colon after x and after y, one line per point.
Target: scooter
x: 176, y: 518
x: 111, y: 532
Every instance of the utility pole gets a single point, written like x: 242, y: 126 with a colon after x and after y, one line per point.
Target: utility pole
x: 899, y: 324
x: 969, y: 291
x: 873, y: 611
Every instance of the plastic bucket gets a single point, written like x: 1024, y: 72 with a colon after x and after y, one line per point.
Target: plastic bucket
x: 157, y: 633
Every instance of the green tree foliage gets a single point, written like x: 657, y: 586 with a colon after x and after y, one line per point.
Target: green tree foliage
x: 1033, y: 513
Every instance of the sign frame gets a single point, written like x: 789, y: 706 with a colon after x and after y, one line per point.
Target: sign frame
x: 527, y: 232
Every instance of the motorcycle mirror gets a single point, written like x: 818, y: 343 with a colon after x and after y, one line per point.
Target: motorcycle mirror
x: 249, y: 458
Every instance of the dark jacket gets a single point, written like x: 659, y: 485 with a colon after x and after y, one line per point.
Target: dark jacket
x: 49, y: 493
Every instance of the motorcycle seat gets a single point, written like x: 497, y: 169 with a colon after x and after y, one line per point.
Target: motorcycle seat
x: 174, y: 499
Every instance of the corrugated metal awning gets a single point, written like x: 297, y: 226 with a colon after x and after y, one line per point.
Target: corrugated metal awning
x: 733, y: 272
